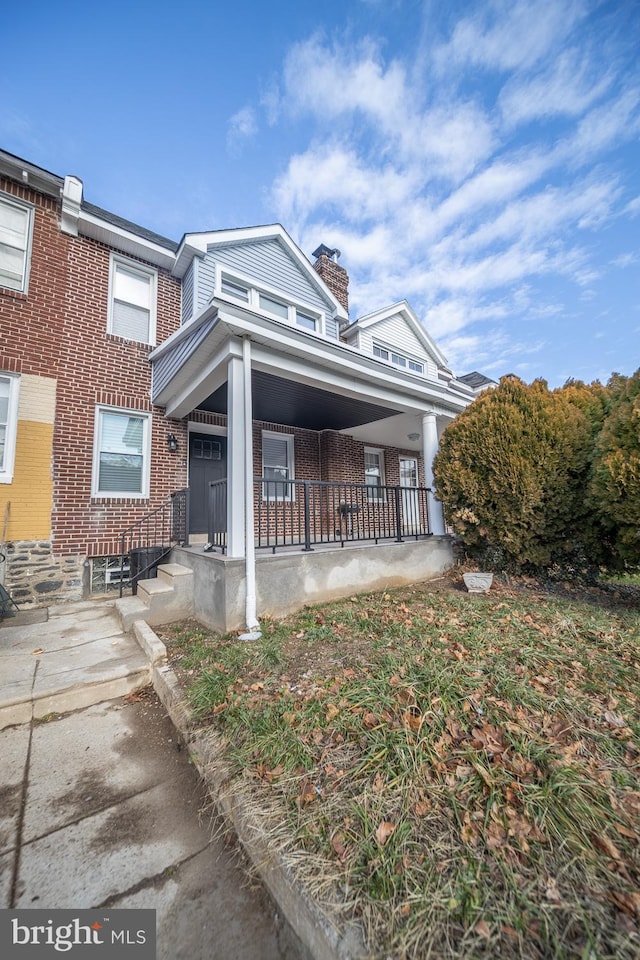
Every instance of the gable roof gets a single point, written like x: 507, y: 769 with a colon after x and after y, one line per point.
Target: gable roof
x: 477, y: 381
x: 401, y: 309
x: 199, y: 244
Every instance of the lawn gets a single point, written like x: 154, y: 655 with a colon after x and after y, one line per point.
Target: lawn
x: 459, y: 773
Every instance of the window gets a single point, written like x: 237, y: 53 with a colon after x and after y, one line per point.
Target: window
x: 397, y: 358
x: 132, y: 301
x: 16, y: 224
x: 121, y: 453
x: 303, y: 320
x: 9, y: 386
x: 374, y: 473
x: 273, y: 306
x: 277, y: 466
x: 233, y: 289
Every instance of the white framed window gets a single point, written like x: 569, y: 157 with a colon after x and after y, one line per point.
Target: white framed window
x: 9, y: 387
x: 278, y: 468
x: 399, y: 359
x: 276, y: 307
x: 132, y: 300
x: 374, y: 473
x: 233, y: 289
x: 121, y: 453
x: 306, y: 321
x: 16, y: 228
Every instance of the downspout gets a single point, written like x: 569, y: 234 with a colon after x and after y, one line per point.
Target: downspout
x: 250, y: 547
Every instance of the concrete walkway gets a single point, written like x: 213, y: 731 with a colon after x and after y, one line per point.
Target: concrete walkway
x: 101, y: 806
x: 79, y: 656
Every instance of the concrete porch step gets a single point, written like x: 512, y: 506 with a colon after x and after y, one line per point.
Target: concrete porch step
x: 160, y: 600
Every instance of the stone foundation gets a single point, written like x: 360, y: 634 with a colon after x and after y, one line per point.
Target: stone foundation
x: 34, y: 576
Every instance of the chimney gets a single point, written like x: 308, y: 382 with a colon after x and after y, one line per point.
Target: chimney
x: 335, y: 276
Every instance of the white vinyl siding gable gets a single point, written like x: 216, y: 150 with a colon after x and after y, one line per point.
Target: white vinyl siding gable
x: 121, y: 453
x: 132, y: 301
x: 16, y: 227
x: 9, y: 386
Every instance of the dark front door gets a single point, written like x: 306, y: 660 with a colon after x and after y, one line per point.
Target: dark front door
x: 207, y: 462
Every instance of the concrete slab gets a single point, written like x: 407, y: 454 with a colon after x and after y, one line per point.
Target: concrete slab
x: 6, y: 877
x: 99, y: 753
x: 96, y: 858
x: 204, y: 909
x: 14, y: 747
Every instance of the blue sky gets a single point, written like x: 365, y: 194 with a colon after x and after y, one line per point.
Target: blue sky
x: 479, y: 159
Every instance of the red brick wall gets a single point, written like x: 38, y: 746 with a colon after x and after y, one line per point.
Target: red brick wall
x: 31, y: 323
x: 99, y: 368
x: 59, y: 329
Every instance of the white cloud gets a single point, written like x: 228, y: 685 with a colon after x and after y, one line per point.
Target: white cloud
x: 507, y: 36
x: 242, y: 126
x: 433, y: 197
x: 625, y: 260
x: 566, y: 88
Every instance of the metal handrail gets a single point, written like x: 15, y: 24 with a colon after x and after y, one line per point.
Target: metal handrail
x: 153, y: 537
x: 307, y: 513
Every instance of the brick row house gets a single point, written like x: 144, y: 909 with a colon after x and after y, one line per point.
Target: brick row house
x: 133, y: 366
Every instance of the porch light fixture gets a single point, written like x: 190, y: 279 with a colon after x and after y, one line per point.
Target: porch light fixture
x: 172, y: 443
x: 413, y: 437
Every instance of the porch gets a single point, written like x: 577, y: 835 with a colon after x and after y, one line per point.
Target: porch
x: 313, y: 513
x: 291, y: 578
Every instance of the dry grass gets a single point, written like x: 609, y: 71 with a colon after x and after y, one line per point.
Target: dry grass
x: 461, y: 774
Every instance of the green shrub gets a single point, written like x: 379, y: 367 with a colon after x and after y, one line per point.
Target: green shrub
x: 615, y: 481
x: 512, y: 473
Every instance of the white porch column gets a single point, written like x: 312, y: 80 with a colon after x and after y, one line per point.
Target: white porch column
x: 429, y: 450
x: 235, y: 458
x: 250, y: 542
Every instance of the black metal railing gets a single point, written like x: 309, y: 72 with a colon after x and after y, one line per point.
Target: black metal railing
x: 307, y: 513
x: 145, y: 543
x: 217, y: 516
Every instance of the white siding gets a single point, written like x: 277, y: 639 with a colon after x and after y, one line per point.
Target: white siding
x: 269, y: 263
x: 396, y: 333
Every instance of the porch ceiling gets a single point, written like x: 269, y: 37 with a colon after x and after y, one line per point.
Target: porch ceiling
x: 294, y: 404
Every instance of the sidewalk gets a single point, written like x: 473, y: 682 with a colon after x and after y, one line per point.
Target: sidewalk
x: 78, y: 657
x: 101, y: 807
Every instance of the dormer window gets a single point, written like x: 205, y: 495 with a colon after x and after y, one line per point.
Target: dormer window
x: 399, y: 359
x: 239, y: 288
x: 304, y: 320
x: 233, y: 289
x: 269, y: 305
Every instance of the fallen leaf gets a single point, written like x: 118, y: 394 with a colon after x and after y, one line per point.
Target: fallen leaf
x: 405, y: 909
x: 606, y: 846
x: 384, y: 831
x: 38, y: 650
x: 332, y: 712
x: 551, y: 891
x: 378, y: 783
x: 614, y: 719
x: 627, y: 901
x: 337, y: 843
x: 421, y: 808
x: 307, y: 793
x: 482, y: 928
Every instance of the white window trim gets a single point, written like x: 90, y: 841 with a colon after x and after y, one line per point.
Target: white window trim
x: 28, y: 208
x: 132, y: 265
x: 380, y: 496
x: 289, y: 438
x: 6, y: 471
x: 146, y: 455
x: 407, y: 357
x: 255, y: 289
